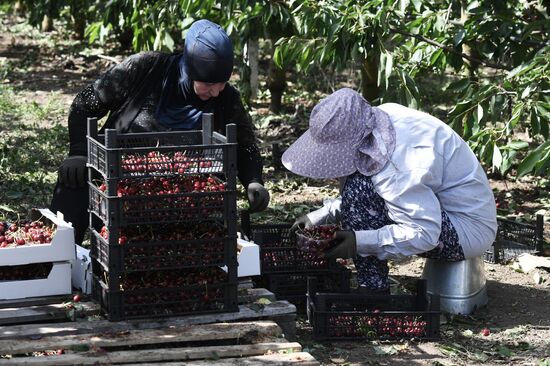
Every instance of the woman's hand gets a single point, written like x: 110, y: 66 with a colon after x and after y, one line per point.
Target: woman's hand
x: 258, y: 197
x: 72, y: 171
x: 345, y: 245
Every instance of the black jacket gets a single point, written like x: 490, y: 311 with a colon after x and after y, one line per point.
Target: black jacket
x: 130, y: 92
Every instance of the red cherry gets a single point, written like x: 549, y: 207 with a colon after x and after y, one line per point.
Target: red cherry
x: 76, y: 298
x: 122, y: 240
x: 485, y: 332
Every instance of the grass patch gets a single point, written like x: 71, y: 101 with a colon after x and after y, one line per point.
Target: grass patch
x: 32, y: 144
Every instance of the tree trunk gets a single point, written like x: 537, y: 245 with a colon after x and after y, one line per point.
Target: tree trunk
x: 125, y: 38
x: 276, y: 82
x: 19, y: 8
x: 253, y: 64
x: 78, y: 15
x: 466, y: 47
x: 369, y: 78
x: 47, y: 20
x: 47, y: 23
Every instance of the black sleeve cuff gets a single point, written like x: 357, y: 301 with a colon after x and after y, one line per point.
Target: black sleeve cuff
x: 249, y: 165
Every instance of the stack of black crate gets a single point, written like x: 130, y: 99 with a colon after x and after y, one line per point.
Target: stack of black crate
x: 285, y: 269
x: 163, y: 221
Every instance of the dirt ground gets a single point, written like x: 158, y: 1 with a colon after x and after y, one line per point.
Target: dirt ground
x: 518, y: 313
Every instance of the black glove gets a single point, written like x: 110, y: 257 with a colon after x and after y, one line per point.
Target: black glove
x: 72, y: 172
x: 345, y: 245
x: 258, y: 197
x: 300, y: 224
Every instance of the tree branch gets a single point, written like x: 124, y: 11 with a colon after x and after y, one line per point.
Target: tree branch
x: 452, y: 50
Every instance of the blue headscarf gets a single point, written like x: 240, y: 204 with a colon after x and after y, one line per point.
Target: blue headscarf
x: 207, y: 57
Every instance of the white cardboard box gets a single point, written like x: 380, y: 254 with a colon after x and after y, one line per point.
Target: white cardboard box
x: 58, y: 282
x: 82, y: 270
x: 248, y: 258
x: 61, y: 248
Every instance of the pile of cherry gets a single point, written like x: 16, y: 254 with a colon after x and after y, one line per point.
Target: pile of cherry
x: 155, y: 186
x: 25, y: 232
x: 25, y: 272
x: 316, y: 239
x: 187, y: 196
x: 170, y: 245
x: 183, y: 291
x: 290, y: 259
x: 155, y: 162
x: 376, y: 325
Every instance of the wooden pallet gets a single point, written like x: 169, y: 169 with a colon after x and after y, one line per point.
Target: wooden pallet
x: 253, y: 336
x: 58, y: 308
x: 246, y: 343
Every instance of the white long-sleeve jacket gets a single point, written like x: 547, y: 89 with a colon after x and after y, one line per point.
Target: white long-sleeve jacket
x: 431, y: 169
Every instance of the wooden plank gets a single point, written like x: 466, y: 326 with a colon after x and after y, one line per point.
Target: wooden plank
x: 210, y: 353
x: 52, y: 308
x: 296, y: 358
x: 59, y: 311
x: 278, y: 308
x: 245, y: 283
x: 254, y: 294
x: 244, y: 332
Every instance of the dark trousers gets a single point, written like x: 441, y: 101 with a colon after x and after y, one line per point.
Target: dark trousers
x: 73, y: 203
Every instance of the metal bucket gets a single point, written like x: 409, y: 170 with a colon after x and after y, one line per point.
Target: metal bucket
x: 462, y: 286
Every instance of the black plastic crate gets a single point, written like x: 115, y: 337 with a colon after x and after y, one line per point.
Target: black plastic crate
x: 351, y: 316
x: 148, y: 296
x: 167, y: 246
x: 278, y: 252
x: 293, y: 286
x: 180, y: 207
x: 133, y: 155
x: 514, y: 238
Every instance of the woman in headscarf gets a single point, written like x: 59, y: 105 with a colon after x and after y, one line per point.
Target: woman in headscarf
x: 153, y: 91
x: 409, y: 185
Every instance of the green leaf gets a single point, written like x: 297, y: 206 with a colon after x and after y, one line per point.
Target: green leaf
x: 535, y: 122
x: 530, y: 161
x: 507, y: 160
x: 516, y: 114
x: 467, y: 333
x: 459, y: 37
x: 80, y: 348
x: 497, y: 157
x: 263, y: 301
x: 459, y: 86
x: 7, y: 209
x: 526, y: 92
x: 480, y: 356
x: 479, y: 113
x: 417, y: 5
x: 517, y: 145
x: 403, y: 4
x: 543, y: 112
x: 504, y: 351
x: 388, y: 67
x: 14, y: 195
x: 460, y: 108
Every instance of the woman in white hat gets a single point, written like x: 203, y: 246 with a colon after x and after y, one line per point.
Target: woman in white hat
x: 409, y: 185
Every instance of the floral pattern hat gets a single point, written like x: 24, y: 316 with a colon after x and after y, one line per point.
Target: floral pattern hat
x: 345, y: 135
